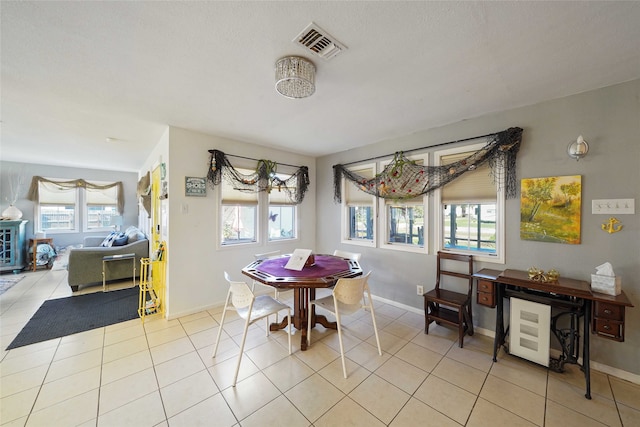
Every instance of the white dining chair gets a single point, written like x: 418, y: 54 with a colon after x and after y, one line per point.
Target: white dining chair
x: 351, y: 255
x: 251, y: 308
x: 261, y: 257
x: 346, y: 299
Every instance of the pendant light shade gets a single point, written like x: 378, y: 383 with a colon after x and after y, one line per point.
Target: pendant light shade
x: 295, y: 77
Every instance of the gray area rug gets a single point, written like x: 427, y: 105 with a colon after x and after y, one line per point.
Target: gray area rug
x: 8, y: 281
x: 66, y: 316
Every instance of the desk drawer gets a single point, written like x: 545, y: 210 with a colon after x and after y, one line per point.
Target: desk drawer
x: 609, y: 329
x: 485, y: 286
x: 486, y: 293
x: 603, y: 310
x: 486, y: 299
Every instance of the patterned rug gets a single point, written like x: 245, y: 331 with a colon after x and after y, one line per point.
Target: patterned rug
x: 8, y: 281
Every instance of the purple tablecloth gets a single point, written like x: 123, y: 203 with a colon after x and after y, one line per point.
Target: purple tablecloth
x: 325, y: 265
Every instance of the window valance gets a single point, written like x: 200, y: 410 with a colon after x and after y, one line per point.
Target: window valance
x: 404, y: 179
x: 264, y: 178
x: 34, y: 190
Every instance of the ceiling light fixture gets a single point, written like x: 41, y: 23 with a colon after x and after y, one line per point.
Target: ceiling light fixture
x: 578, y: 149
x: 295, y: 77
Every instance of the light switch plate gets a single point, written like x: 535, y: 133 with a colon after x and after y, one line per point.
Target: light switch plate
x: 613, y: 206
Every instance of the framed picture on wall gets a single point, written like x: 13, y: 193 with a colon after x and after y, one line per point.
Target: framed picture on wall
x: 194, y: 186
x: 550, y: 209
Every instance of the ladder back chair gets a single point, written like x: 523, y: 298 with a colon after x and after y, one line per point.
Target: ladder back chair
x: 251, y: 308
x: 448, y: 306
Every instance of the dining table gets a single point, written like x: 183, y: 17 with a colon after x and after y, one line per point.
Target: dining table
x: 324, y: 272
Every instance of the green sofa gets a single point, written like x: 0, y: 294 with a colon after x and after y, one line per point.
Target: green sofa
x: 85, y: 264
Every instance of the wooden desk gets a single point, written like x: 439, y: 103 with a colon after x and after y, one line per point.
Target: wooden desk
x: 33, y: 243
x: 324, y: 274
x: 571, y: 297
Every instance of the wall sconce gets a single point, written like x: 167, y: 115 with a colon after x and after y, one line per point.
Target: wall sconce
x: 578, y: 149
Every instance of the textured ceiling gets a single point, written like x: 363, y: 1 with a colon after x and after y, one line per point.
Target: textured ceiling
x: 75, y: 73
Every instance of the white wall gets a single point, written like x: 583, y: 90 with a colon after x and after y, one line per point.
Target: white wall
x: 609, y: 119
x: 195, y: 263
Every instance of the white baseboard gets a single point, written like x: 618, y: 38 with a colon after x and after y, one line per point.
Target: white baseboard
x: 220, y: 304
x: 609, y: 370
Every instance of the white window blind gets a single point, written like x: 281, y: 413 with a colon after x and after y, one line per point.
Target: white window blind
x: 50, y: 193
x: 280, y: 196
x: 353, y: 194
x: 231, y: 196
x: 107, y: 196
x: 472, y: 186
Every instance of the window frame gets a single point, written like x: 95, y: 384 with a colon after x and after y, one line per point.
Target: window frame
x: 80, y: 207
x: 245, y: 169
x: 262, y: 206
x: 345, y: 226
x: 384, y: 220
x: 499, y: 256
x: 255, y: 241
x: 38, y: 219
x: 295, y: 218
x: 84, y: 196
x: 38, y: 223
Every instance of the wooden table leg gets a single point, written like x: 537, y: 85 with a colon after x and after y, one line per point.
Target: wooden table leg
x: 300, y: 315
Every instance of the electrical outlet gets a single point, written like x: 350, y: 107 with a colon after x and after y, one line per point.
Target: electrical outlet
x: 420, y: 289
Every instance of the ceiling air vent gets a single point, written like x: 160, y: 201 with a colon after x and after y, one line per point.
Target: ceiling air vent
x: 319, y: 42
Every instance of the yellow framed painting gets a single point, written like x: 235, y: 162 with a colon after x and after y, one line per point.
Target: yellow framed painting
x: 550, y: 209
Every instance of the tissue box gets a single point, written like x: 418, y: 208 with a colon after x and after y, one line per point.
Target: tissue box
x: 606, y: 284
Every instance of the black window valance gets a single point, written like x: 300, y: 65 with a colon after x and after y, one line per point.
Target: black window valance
x: 404, y: 179
x: 264, y: 178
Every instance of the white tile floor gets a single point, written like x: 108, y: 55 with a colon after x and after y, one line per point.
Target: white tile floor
x: 161, y: 373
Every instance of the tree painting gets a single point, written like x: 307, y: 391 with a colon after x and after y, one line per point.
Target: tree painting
x: 550, y: 209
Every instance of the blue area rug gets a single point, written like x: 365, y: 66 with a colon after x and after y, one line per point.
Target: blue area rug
x: 66, y: 316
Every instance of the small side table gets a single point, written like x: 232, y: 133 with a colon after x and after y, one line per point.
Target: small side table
x: 122, y: 257
x: 33, y: 243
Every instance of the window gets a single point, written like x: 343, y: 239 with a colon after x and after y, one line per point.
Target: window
x: 405, y: 220
x: 57, y: 208
x: 359, y: 210
x: 62, y: 205
x: 101, y: 208
x: 281, y: 224
x: 471, y: 210
x: 239, y: 214
x: 405, y: 223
